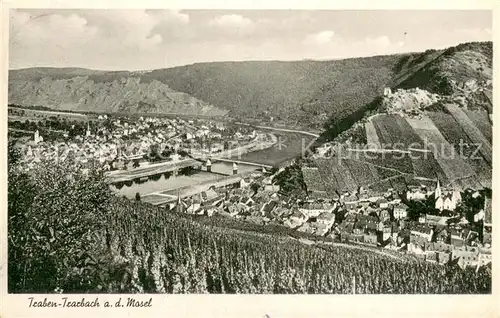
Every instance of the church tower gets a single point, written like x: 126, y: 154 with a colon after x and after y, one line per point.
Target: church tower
x: 437, y: 192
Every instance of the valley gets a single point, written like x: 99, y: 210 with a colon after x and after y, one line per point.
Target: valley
x: 379, y: 159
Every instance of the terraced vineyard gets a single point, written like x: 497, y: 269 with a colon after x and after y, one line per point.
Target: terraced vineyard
x: 453, y: 146
x: 462, y: 145
x: 472, y: 131
x: 372, y: 136
x: 482, y: 122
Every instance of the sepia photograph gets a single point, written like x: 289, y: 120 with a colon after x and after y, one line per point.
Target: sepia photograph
x: 155, y: 151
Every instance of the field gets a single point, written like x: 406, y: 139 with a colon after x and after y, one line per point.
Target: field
x: 330, y: 175
x: 313, y: 180
x: 450, y: 129
x: 425, y: 166
x: 386, y: 133
x: 365, y: 168
x: 482, y: 122
x: 361, y: 171
x: 389, y: 160
x: 472, y: 131
x: 395, y: 133
x: 407, y: 135
x: 463, y: 146
x: 453, y: 166
x: 371, y: 135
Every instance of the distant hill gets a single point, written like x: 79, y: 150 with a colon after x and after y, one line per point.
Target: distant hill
x: 304, y: 94
x: 78, y: 90
x: 445, y: 72
x: 301, y: 93
x: 454, y: 65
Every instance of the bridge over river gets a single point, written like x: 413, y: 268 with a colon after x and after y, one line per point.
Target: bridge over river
x: 142, y: 173
x: 170, y: 168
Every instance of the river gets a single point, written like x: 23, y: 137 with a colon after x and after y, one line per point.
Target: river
x: 175, y: 182
x: 288, y: 146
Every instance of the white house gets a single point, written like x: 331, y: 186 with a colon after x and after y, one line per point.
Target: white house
x: 479, y: 216
x: 244, y: 183
x: 448, y: 204
x: 400, y: 211
x: 386, y: 233
x: 272, y: 187
x: 37, y: 138
x: 439, y: 204
x: 416, y: 195
x: 456, y: 197
x: 484, y: 259
x: 29, y: 152
x: 383, y: 203
x: 296, y: 219
x: 315, y: 209
x: 326, y: 218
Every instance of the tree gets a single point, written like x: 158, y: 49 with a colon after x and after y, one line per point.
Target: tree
x: 291, y: 181
x: 182, y: 153
x: 166, y: 153
x: 137, y: 164
x: 137, y: 196
x: 153, y: 154
x: 255, y: 187
x: 187, y: 171
x: 56, y: 218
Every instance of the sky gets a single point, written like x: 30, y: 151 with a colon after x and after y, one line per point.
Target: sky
x: 152, y: 39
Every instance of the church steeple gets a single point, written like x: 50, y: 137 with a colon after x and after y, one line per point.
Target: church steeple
x: 437, y: 192
x: 179, y: 207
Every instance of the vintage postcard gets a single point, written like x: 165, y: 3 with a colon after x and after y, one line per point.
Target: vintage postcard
x: 160, y: 159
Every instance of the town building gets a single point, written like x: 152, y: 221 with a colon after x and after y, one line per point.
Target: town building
x: 400, y: 211
x: 465, y: 258
x: 326, y: 218
x: 487, y: 222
